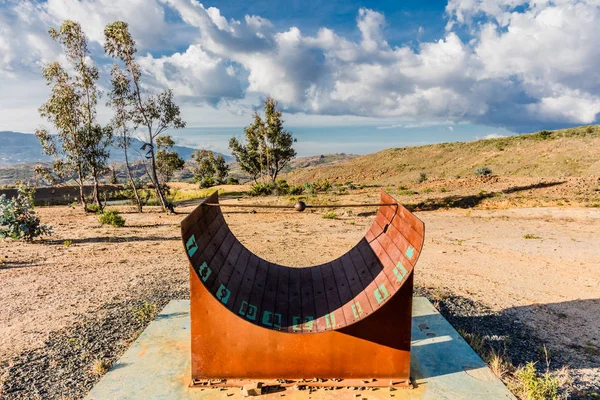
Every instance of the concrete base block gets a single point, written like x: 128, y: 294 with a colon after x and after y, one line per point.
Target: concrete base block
x: 157, y: 366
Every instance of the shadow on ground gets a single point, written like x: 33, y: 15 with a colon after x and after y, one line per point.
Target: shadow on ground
x: 510, y: 332
x: 115, y: 239
x: 471, y: 201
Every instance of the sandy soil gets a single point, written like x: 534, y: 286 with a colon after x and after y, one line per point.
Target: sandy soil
x: 551, y: 282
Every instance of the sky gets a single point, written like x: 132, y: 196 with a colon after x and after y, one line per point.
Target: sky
x: 350, y: 76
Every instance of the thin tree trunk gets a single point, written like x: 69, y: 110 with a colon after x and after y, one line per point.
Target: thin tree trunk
x: 159, y: 192
x: 135, y: 192
x: 96, y: 192
x: 81, y: 191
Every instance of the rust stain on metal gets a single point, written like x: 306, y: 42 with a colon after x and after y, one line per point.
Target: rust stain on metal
x: 349, y: 318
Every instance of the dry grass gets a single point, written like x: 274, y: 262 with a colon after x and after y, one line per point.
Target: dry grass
x: 145, y: 313
x: 568, y: 152
x: 330, y: 215
x: 100, y: 367
x: 524, y: 381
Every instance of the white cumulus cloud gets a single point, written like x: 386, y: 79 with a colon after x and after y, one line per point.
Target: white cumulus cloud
x: 519, y: 64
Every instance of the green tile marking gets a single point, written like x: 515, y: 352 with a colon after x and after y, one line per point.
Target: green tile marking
x: 308, y: 323
x: 400, y: 271
x: 329, y: 321
x: 204, y: 271
x: 248, y: 310
x: 381, y: 294
x: 191, y: 245
x: 297, y: 321
x: 357, y: 310
x: 271, y: 319
x: 410, y: 252
x: 223, y: 294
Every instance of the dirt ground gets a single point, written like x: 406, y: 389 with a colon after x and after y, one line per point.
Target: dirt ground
x: 539, y: 266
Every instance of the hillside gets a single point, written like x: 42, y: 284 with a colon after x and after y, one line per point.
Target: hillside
x: 20, y: 148
x: 297, y: 163
x: 567, y: 152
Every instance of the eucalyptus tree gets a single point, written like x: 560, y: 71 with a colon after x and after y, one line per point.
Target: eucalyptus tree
x: 154, y: 113
x: 167, y: 160
x: 268, y: 148
x: 119, y: 98
x: 80, y: 147
x: 210, y: 169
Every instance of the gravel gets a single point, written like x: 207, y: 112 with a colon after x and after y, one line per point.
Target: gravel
x: 64, y: 366
x: 506, y: 334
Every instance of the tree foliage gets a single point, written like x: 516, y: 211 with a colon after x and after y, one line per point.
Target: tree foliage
x: 152, y: 113
x: 80, y: 147
x: 268, y: 147
x: 167, y: 160
x: 119, y: 99
x: 211, y: 169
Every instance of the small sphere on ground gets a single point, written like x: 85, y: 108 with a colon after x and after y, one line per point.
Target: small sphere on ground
x: 300, y: 206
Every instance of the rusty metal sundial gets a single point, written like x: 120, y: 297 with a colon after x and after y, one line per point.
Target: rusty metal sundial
x: 347, y: 319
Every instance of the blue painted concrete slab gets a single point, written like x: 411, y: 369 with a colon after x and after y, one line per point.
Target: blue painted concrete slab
x: 156, y: 366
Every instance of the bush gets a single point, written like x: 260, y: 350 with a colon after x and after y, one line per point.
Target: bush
x: 233, y: 181
x: 93, y: 208
x: 531, y: 385
x: 422, y: 177
x: 296, y: 190
x: 207, y: 182
x: 262, y: 189
x: 330, y: 215
x: 17, y: 218
x: 111, y: 217
x: 545, y: 135
x: 282, y: 188
x: 322, y: 185
x: 483, y: 171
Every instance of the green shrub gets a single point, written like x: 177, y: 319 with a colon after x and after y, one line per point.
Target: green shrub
x: 545, y: 135
x: 67, y: 242
x: 530, y: 236
x: 483, y: 171
x: 406, y: 192
x: 309, y: 189
x: 17, y: 218
x: 93, y: 208
x: 111, y: 217
x: 262, y: 189
x: 145, y: 312
x: 282, y: 188
x: 322, y: 185
x: 350, y: 185
x: 534, y: 386
x: 422, y: 177
x: 330, y: 215
x: 296, y: 190
x: 233, y: 181
x: 207, y: 182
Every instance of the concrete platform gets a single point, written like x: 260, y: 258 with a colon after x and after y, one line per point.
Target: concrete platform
x: 156, y: 366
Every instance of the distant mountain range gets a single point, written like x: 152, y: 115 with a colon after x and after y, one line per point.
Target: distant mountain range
x: 22, y: 148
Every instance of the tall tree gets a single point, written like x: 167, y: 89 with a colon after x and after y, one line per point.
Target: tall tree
x: 167, y: 160
x: 155, y: 113
x: 210, y: 169
x: 119, y: 99
x: 268, y: 148
x: 82, y: 146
